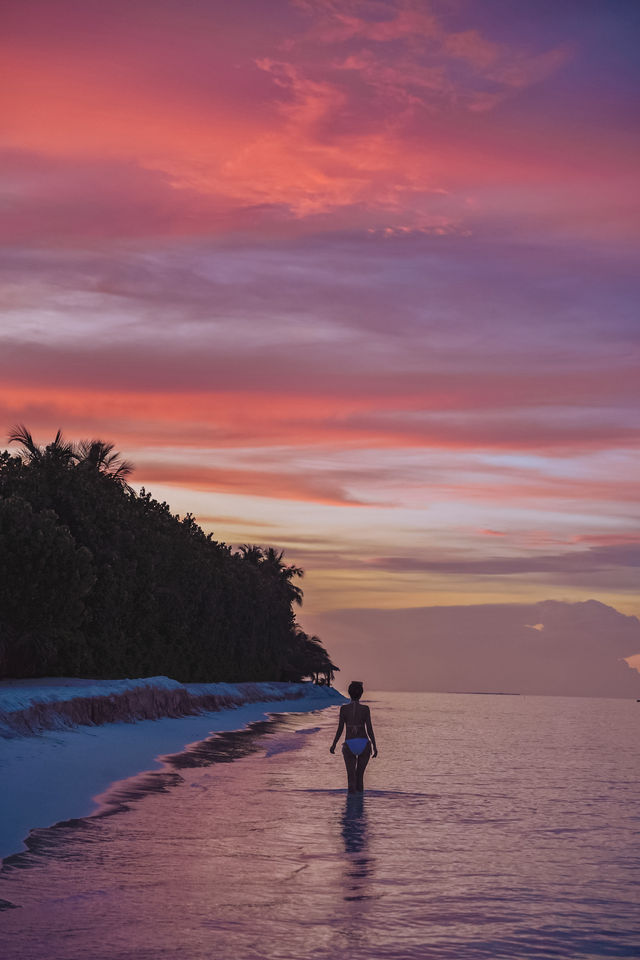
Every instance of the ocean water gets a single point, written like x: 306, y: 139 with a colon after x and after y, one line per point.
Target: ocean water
x: 491, y: 827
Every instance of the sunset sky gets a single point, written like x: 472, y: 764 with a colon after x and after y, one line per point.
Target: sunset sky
x: 356, y: 279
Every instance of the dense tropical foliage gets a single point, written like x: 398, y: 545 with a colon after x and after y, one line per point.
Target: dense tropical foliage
x: 98, y: 580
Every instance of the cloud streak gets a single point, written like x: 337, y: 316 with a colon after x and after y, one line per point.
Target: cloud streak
x: 593, y: 560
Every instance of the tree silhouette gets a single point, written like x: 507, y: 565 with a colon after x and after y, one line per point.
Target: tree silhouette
x: 98, y: 579
x: 104, y: 458
x: 252, y: 553
x: 58, y: 451
x: 273, y: 561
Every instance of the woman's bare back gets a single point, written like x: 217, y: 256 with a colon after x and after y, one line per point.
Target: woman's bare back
x: 355, y: 716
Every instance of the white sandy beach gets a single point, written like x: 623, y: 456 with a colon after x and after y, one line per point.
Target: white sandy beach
x: 58, y: 774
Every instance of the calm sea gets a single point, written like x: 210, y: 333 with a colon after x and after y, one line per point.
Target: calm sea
x: 491, y: 827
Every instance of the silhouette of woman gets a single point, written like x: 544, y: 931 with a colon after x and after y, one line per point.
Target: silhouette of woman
x: 360, y: 739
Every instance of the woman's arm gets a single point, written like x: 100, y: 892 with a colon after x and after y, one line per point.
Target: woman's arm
x: 369, y: 729
x: 332, y: 748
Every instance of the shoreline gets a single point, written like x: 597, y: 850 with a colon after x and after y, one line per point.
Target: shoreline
x: 59, y: 775
x: 31, y: 707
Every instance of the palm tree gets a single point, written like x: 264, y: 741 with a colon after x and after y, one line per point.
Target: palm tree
x: 273, y: 559
x: 30, y: 450
x: 58, y: 451
x: 308, y: 658
x: 251, y: 553
x: 101, y: 456
x: 89, y: 454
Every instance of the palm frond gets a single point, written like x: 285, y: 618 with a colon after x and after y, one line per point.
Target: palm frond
x: 20, y: 434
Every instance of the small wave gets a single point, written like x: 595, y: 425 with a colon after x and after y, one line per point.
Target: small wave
x: 7, y: 905
x: 293, y: 742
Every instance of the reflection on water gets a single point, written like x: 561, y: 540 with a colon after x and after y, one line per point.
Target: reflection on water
x: 357, y: 875
x: 354, y: 823
x: 359, y: 863
x: 491, y: 828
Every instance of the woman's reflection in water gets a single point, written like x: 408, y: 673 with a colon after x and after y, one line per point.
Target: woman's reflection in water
x: 358, y: 866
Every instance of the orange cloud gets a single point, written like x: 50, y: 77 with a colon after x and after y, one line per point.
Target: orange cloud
x: 254, y: 483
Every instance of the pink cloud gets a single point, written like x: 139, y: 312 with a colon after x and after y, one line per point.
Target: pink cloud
x: 289, y: 137
x: 255, y: 483
x: 255, y: 418
x: 607, y: 539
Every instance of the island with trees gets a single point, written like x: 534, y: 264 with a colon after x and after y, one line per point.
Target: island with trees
x: 99, y: 580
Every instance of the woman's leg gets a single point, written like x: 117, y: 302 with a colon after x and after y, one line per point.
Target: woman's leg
x: 350, y: 763
x: 361, y: 763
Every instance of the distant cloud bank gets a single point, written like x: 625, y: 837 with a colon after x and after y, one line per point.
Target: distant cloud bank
x: 556, y: 648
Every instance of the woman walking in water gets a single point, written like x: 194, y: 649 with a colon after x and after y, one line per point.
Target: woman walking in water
x: 360, y: 738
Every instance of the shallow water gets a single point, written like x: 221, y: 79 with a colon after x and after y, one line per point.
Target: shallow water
x: 491, y: 827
